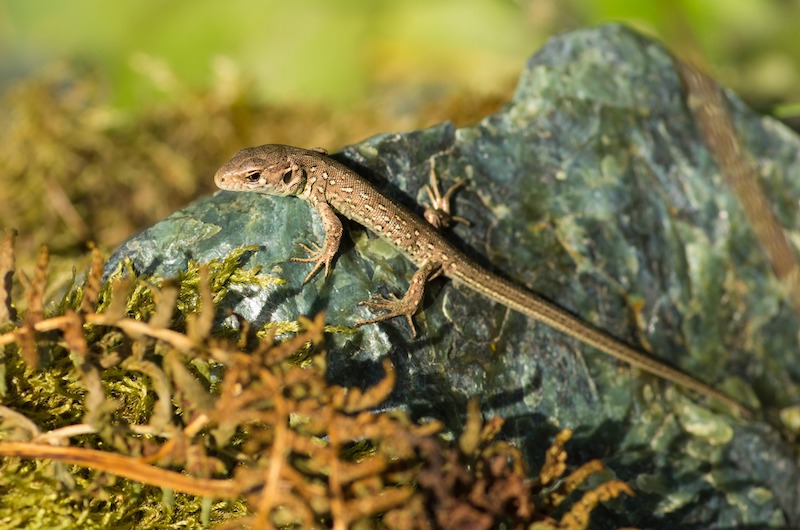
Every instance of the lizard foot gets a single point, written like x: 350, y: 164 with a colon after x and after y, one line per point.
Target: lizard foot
x: 394, y: 307
x: 411, y: 301
x: 318, y: 256
x: 439, y: 213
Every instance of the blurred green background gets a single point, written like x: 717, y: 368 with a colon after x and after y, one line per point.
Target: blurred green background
x: 341, y: 52
x: 115, y: 114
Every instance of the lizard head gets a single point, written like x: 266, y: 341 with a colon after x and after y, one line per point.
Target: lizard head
x: 267, y: 169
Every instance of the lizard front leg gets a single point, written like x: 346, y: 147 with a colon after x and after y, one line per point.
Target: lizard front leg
x: 411, y: 301
x: 322, y: 257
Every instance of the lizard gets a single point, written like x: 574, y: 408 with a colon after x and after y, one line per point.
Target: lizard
x: 333, y: 189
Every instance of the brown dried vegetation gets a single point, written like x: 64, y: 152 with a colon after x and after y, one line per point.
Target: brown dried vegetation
x: 125, y: 379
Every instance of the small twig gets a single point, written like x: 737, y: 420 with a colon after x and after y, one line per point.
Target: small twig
x: 124, y: 466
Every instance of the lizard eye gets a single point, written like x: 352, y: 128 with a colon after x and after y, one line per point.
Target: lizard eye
x: 253, y: 176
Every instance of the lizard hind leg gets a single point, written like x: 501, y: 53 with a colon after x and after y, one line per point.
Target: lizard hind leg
x: 409, y: 304
x: 439, y: 213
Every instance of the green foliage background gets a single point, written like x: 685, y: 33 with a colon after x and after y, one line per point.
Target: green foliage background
x: 343, y: 51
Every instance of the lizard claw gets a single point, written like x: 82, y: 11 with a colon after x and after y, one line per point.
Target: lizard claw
x: 411, y: 301
x: 438, y: 214
x: 318, y: 257
x: 394, y: 307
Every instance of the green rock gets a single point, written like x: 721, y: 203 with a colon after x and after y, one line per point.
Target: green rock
x: 593, y: 188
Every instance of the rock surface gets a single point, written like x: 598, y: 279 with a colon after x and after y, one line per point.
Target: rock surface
x: 593, y: 188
